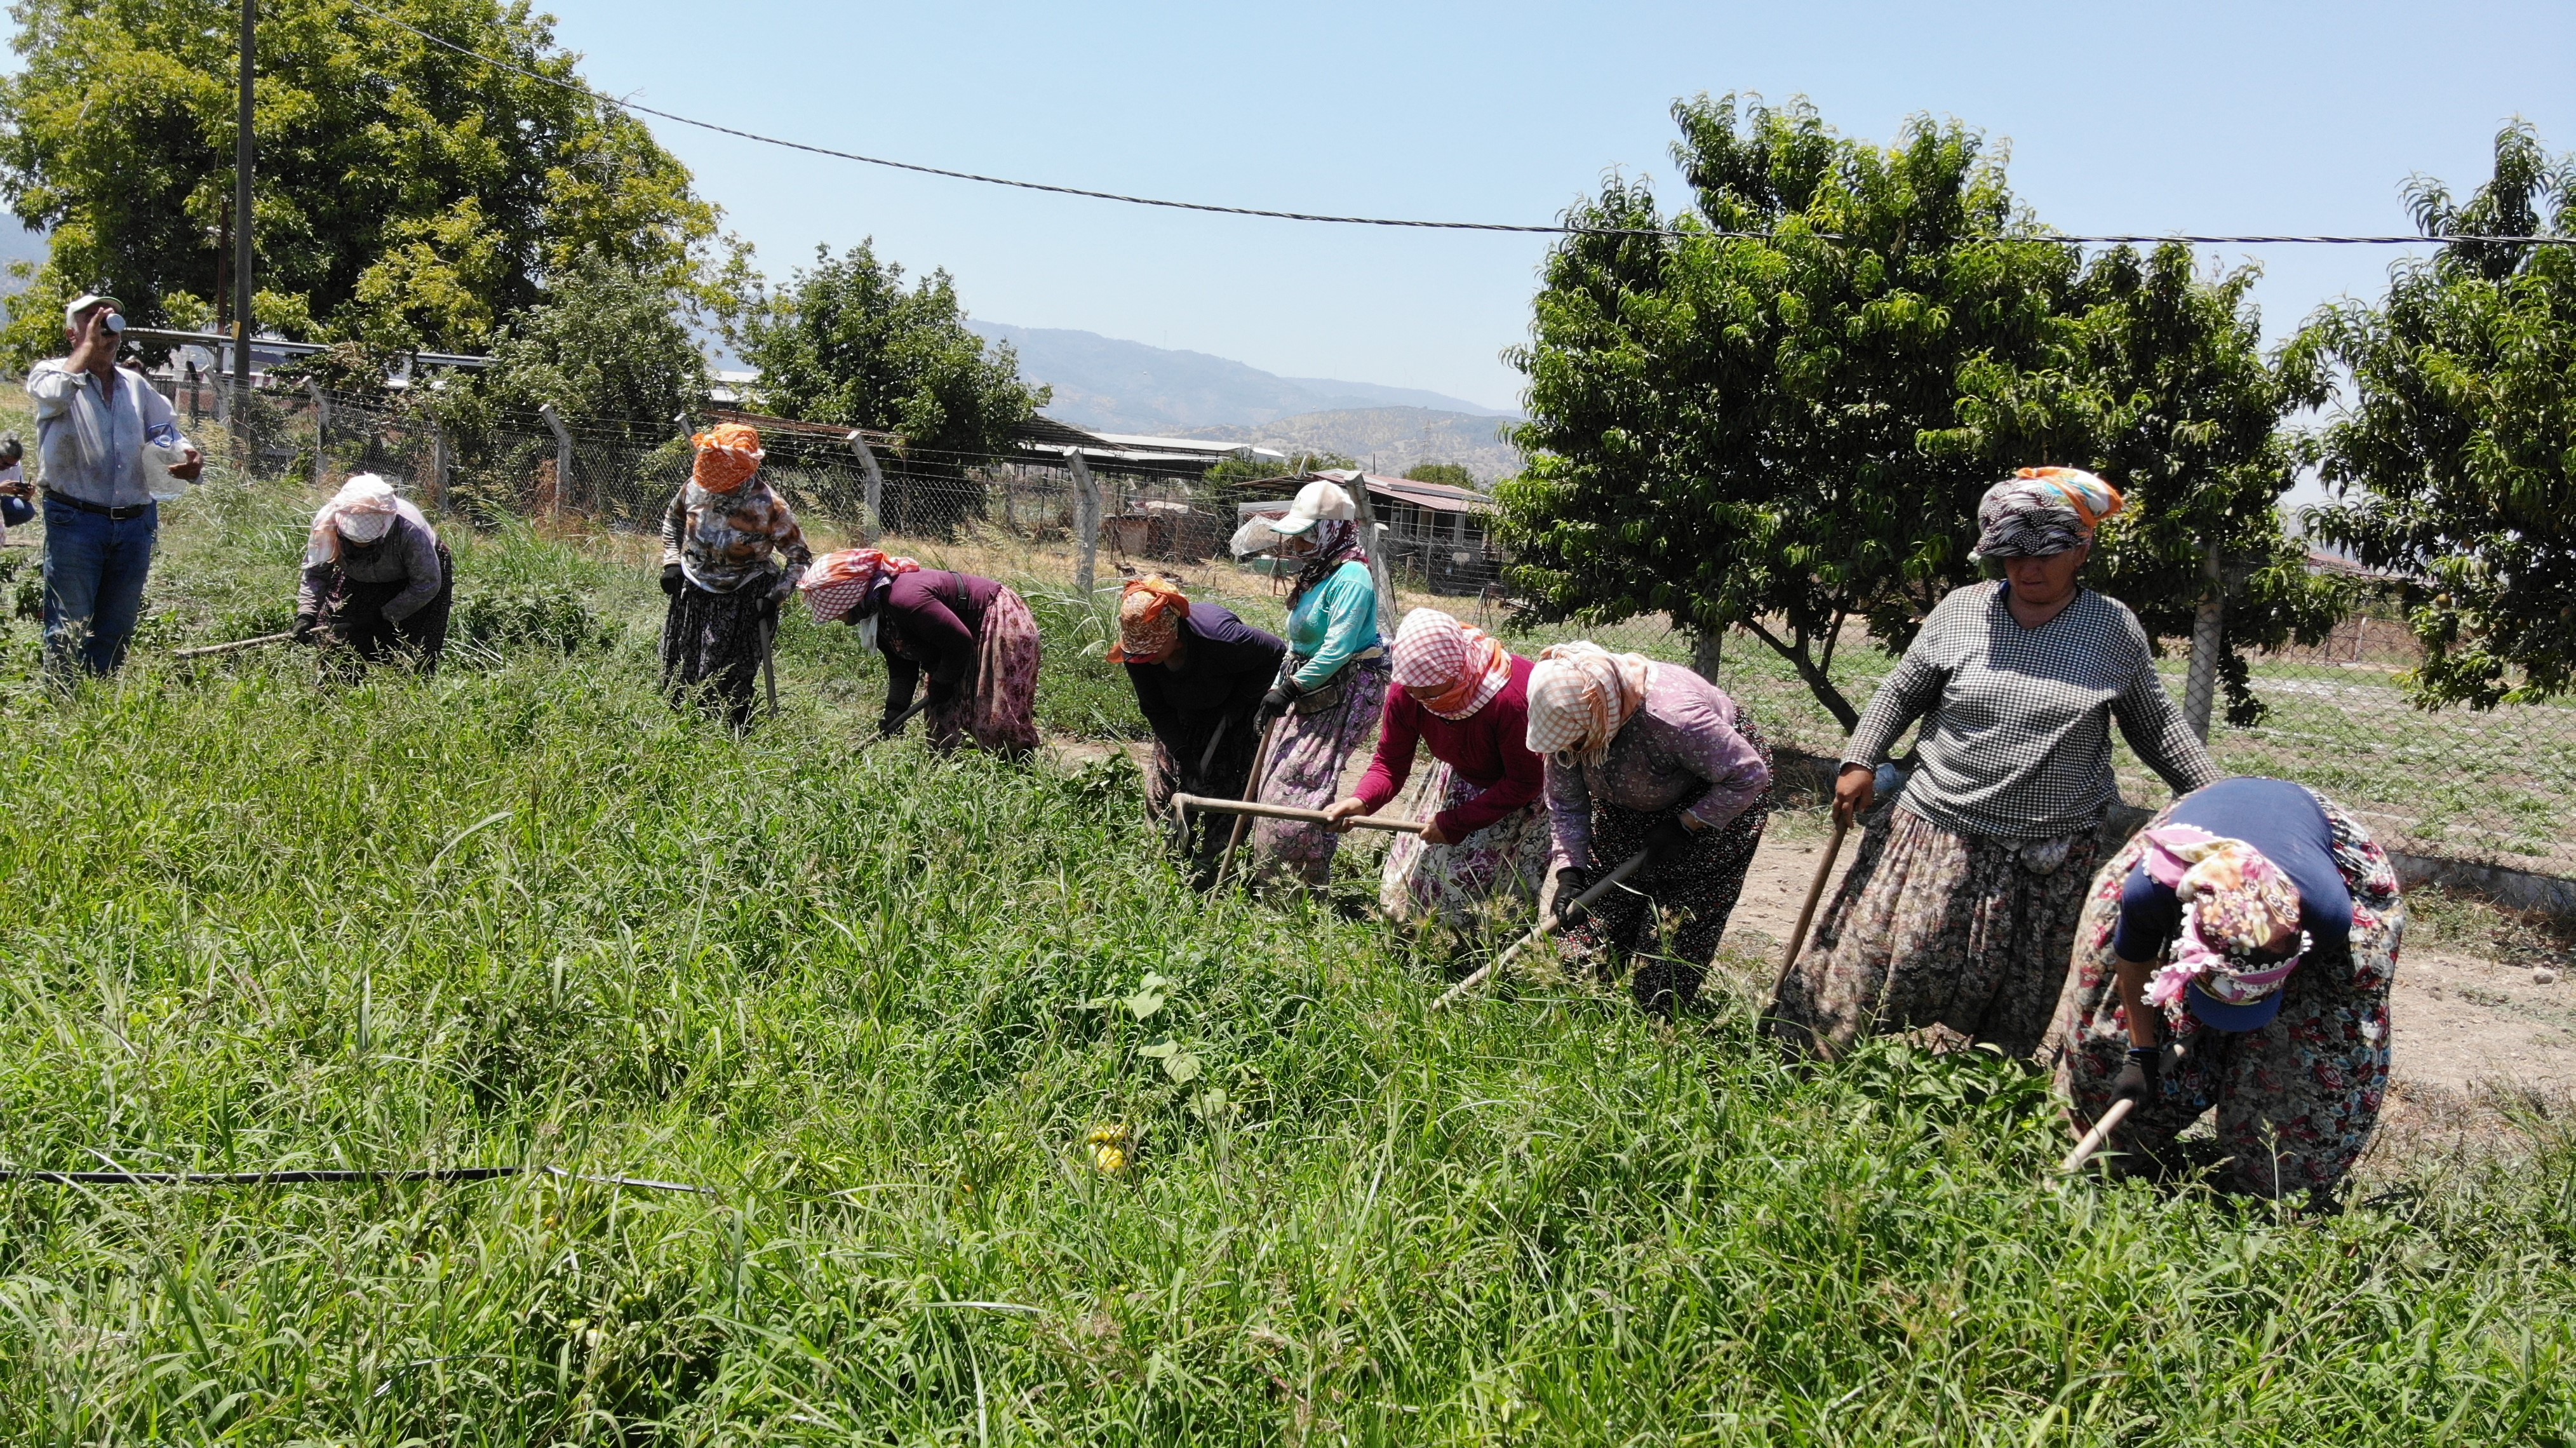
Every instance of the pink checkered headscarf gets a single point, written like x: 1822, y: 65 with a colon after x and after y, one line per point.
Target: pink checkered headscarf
x: 840, y: 582
x: 1581, y: 695
x: 1460, y: 669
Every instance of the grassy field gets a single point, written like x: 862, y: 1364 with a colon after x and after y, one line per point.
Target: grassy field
x: 876, y: 1001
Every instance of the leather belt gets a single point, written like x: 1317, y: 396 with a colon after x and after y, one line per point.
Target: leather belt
x: 113, y: 515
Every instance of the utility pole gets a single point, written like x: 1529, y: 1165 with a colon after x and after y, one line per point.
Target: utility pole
x: 242, y: 154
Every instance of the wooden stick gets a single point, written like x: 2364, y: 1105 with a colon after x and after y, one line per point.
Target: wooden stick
x: 1545, y: 928
x: 2100, y: 1133
x: 1216, y: 805
x: 768, y: 670
x: 1251, y: 785
x: 1815, y: 892
x: 887, y: 732
x: 235, y: 646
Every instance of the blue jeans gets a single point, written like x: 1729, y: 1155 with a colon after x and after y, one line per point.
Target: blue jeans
x: 94, y: 571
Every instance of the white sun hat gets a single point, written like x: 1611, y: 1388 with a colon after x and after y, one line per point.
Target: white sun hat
x: 1318, y: 500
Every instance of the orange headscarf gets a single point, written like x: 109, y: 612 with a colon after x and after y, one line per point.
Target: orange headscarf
x: 728, y: 454
x: 1149, y: 621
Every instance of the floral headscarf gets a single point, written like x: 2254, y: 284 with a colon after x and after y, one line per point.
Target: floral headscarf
x: 1463, y: 666
x: 728, y: 454
x: 1337, y: 541
x: 2235, y: 901
x: 1149, y: 621
x: 1581, y: 695
x: 2041, y: 512
x: 362, y: 511
x: 840, y: 582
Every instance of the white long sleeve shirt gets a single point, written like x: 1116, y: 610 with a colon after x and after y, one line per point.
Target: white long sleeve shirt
x: 91, y: 442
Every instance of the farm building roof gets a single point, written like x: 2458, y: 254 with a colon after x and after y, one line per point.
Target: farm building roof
x: 1434, y: 497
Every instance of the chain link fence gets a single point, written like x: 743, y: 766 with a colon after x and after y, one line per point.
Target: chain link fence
x: 2484, y: 786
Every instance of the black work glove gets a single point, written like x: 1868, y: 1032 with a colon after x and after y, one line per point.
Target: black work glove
x: 1668, y: 838
x: 305, y: 624
x: 1571, y: 881
x: 1276, y: 702
x: 890, y: 726
x: 671, y: 580
x: 2141, y: 1078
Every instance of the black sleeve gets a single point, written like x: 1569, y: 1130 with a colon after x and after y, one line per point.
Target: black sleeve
x: 1153, y: 703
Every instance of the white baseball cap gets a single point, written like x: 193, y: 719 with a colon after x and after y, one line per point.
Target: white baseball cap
x: 1317, y: 500
x: 85, y: 301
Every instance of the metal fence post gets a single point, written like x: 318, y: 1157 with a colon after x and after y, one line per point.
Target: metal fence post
x: 875, y: 524
x: 1086, y: 521
x: 563, y: 455
x: 321, y: 430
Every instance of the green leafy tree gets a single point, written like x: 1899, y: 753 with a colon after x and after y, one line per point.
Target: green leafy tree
x: 406, y: 195
x: 848, y: 342
x: 2455, y: 458
x: 611, y: 350
x: 1453, y: 474
x: 1766, y: 432
x: 1789, y: 432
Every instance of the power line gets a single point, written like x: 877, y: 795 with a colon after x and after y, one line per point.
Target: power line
x: 1489, y: 226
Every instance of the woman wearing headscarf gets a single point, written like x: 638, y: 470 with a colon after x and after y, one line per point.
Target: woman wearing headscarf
x: 2237, y: 955
x: 376, y: 578
x: 1646, y: 756
x: 1330, y: 687
x: 1465, y: 697
x: 718, y: 538
x: 975, y: 639
x: 1959, y: 910
x: 1199, y: 674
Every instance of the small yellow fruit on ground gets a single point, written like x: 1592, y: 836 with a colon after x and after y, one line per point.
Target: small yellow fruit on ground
x: 1108, y: 1148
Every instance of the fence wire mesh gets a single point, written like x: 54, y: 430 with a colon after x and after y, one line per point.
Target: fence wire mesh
x: 2487, y: 786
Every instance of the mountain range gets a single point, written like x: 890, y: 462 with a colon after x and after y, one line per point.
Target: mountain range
x: 1120, y: 386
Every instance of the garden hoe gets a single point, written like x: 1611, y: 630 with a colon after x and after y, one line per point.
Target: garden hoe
x: 1250, y: 807
x: 235, y: 646
x: 1807, y: 912
x: 1546, y: 927
x: 1251, y: 785
x: 2093, y: 1139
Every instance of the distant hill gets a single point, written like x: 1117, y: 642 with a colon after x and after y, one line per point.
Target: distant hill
x: 1387, y: 439
x: 1103, y: 382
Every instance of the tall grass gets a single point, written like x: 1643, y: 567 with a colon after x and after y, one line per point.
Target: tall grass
x: 526, y: 913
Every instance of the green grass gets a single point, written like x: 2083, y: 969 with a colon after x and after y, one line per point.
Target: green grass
x: 875, y: 1000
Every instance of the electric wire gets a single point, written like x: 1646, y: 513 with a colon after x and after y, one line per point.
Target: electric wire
x: 1517, y: 228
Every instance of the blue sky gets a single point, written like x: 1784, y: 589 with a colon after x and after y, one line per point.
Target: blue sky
x: 2237, y: 117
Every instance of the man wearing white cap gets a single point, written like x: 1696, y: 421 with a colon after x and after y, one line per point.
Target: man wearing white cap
x: 111, y: 451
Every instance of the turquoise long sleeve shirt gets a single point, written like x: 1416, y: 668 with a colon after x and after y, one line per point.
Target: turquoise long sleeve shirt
x: 1335, y: 622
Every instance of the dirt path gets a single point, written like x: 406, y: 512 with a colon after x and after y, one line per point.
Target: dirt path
x: 2466, y: 1027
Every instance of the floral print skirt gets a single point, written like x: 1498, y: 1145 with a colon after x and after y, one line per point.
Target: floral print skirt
x: 2297, y: 1099
x: 1668, y: 917
x: 1485, y: 881
x: 1305, y: 769
x: 1001, y: 712
x: 1937, y: 929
